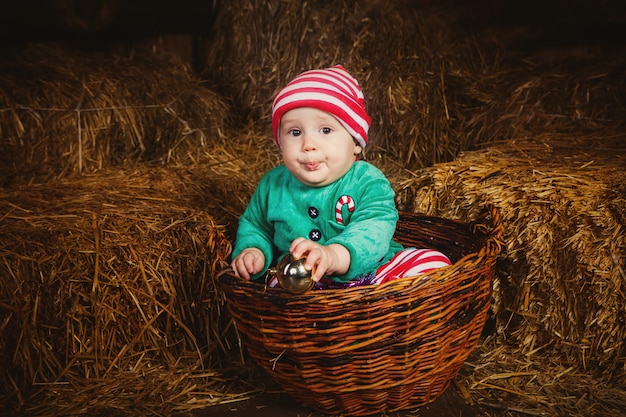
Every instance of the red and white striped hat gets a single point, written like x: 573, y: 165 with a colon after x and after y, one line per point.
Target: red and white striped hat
x: 332, y: 90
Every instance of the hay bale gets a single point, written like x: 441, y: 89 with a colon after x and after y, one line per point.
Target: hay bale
x: 563, y: 202
x: 65, y: 112
x: 574, y: 97
x: 420, y: 77
x: 108, y: 297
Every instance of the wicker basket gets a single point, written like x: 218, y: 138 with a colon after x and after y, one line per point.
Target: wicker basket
x: 378, y: 348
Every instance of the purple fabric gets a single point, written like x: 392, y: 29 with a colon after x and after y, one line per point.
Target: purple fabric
x: 328, y: 284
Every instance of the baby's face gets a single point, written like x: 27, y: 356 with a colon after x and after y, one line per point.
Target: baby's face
x: 316, y: 148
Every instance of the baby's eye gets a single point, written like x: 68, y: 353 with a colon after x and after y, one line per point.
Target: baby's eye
x: 295, y: 132
x: 326, y: 130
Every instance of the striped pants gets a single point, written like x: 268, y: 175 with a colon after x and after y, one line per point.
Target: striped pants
x: 410, y: 262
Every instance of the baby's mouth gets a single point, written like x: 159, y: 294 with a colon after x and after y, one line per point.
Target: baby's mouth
x: 311, y: 166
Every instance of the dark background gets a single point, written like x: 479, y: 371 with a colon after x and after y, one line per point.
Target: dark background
x: 97, y: 23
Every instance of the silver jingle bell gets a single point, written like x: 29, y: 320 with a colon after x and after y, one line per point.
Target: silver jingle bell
x: 293, y: 276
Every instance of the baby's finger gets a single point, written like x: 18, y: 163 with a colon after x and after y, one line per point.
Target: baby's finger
x: 313, y: 258
x: 318, y: 272
x: 243, y: 269
x: 300, y: 247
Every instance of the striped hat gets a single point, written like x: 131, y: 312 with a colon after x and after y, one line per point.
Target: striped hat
x: 332, y: 90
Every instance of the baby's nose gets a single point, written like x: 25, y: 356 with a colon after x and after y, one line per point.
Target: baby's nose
x: 308, y: 142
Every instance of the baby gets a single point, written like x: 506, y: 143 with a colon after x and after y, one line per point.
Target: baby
x: 323, y: 202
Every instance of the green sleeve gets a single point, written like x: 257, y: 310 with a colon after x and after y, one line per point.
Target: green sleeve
x: 254, y: 231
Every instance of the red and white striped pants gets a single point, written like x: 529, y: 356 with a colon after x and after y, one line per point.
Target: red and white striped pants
x: 410, y: 262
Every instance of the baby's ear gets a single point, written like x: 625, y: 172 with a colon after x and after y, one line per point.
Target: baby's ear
x: 358, y: 151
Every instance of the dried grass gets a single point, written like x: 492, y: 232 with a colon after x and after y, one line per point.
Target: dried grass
x: 502, y: 381
x: 575, y: 97
x: 65, y: 112
x: 108, y: 297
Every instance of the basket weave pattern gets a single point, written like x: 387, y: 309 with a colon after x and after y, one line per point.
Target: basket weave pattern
x: 377, y: 348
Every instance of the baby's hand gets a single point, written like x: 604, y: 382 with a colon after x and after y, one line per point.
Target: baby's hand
x: 249, y: 262
x: 333, y: 259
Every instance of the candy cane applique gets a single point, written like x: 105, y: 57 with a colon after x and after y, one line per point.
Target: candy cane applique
x: 343, y: 201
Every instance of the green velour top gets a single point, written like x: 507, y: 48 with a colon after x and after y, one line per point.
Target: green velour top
x: 357, y: 211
